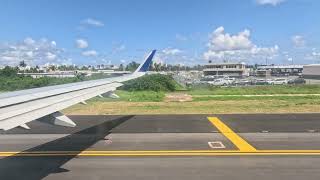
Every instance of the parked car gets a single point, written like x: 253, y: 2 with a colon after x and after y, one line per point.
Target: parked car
x: 297, y: 81
x: 220, y: 82
x: 243, y: 82
x: 261, y: 82
x: 280, y: 81
x: 230, y: 80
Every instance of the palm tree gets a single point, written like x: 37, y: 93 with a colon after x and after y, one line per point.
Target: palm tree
x: 23, y: 65
x: 157, y: 67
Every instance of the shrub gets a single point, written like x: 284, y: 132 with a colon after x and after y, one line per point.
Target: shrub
x: 154, y: 82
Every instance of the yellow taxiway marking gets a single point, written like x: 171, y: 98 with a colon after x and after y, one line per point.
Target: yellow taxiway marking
x: 232, y: 136
x: 157, y: 151
x: 245, y: 149
x: 164, y: 153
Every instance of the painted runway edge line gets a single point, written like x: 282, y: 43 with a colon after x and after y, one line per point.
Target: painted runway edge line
x: 165, y: 153
x: 159, y: 151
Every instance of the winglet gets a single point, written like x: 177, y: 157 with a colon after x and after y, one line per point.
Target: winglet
x: 144, y: 67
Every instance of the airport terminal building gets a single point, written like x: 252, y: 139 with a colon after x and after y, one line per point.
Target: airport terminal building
x: 311, y: 73
x: 226, y: 69
x: 281, y: 70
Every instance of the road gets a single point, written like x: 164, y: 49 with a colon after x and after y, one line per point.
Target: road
x: 278, y: 146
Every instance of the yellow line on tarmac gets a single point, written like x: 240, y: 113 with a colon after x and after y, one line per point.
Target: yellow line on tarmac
x: 165, y: 153
x: 239, y: 153
x: 159, y: 151
x: 232, y: 136
x: 119, y: 151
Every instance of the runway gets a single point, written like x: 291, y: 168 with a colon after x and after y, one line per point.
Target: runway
x: 285, y: 146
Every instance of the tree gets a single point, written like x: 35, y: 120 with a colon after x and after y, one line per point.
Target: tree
x: 80, y: 76
x: 52, y: 67
x: 157, y: 67
x: 22, y: 64
x: 121, y: 67
x: 84, y: 68
x: 132, y: 66
x: 9, y: 71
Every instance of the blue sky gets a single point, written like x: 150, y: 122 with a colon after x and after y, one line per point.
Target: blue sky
x: 185, y: 32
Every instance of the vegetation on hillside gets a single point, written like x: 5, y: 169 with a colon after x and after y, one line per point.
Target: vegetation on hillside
x: 154, y: 82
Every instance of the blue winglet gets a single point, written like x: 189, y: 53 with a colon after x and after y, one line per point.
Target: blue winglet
x: 146, y: 64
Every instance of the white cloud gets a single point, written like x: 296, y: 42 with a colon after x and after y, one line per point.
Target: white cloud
x: 224, y: 46
x: 51, y: 56
x: 221, y: 41
x: 53, y: 43
x: 29, y: 41
x: 316, y: 54
x: 91, y: 53
x: 92, y: 22
x: 180, y: 37
x: 81, y: 43
x: 33, y: 52
x: 171, y: 51
x: 66, y: 61
x: 118, y: 48
x: 29, y: 54
x: 269, y: 2
x: 170, y: 55
x: 298, y: 41
x: 121, y: 47
x: 313, y: 56
x: 158, y: 59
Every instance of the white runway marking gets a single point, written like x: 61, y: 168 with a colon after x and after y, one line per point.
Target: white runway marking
x: 216, y: 145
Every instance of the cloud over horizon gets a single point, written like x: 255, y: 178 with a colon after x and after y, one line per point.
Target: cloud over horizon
x: 236, y: 47
x: 82, y: 43
x: 90, y: 53
x: 298, y: 41
x: 92, y: 22
x: 270, y: 2
x: 33, y: 52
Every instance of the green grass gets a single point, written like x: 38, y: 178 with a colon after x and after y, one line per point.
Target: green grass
x: 135, y: 96
x: 204, y: 94
x: 198, y: 107
x: 150, y: 102
x: 307, y: 98
x: 257, y: 90
x: 141, y: 96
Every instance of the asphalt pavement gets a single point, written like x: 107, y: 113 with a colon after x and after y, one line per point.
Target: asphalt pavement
x: 254, y: 146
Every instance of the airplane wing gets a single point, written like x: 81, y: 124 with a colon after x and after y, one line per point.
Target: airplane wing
x: 20, y: 107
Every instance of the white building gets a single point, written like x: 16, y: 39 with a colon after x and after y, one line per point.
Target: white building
x: 226, y: 69
x: 311, y: 73
x: 282, y: 70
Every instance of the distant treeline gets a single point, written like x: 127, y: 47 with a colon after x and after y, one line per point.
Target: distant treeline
x: 164, y: 67
x: 11, y: 81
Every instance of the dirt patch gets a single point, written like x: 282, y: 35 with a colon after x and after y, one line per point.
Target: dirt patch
x: 177, y: 97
